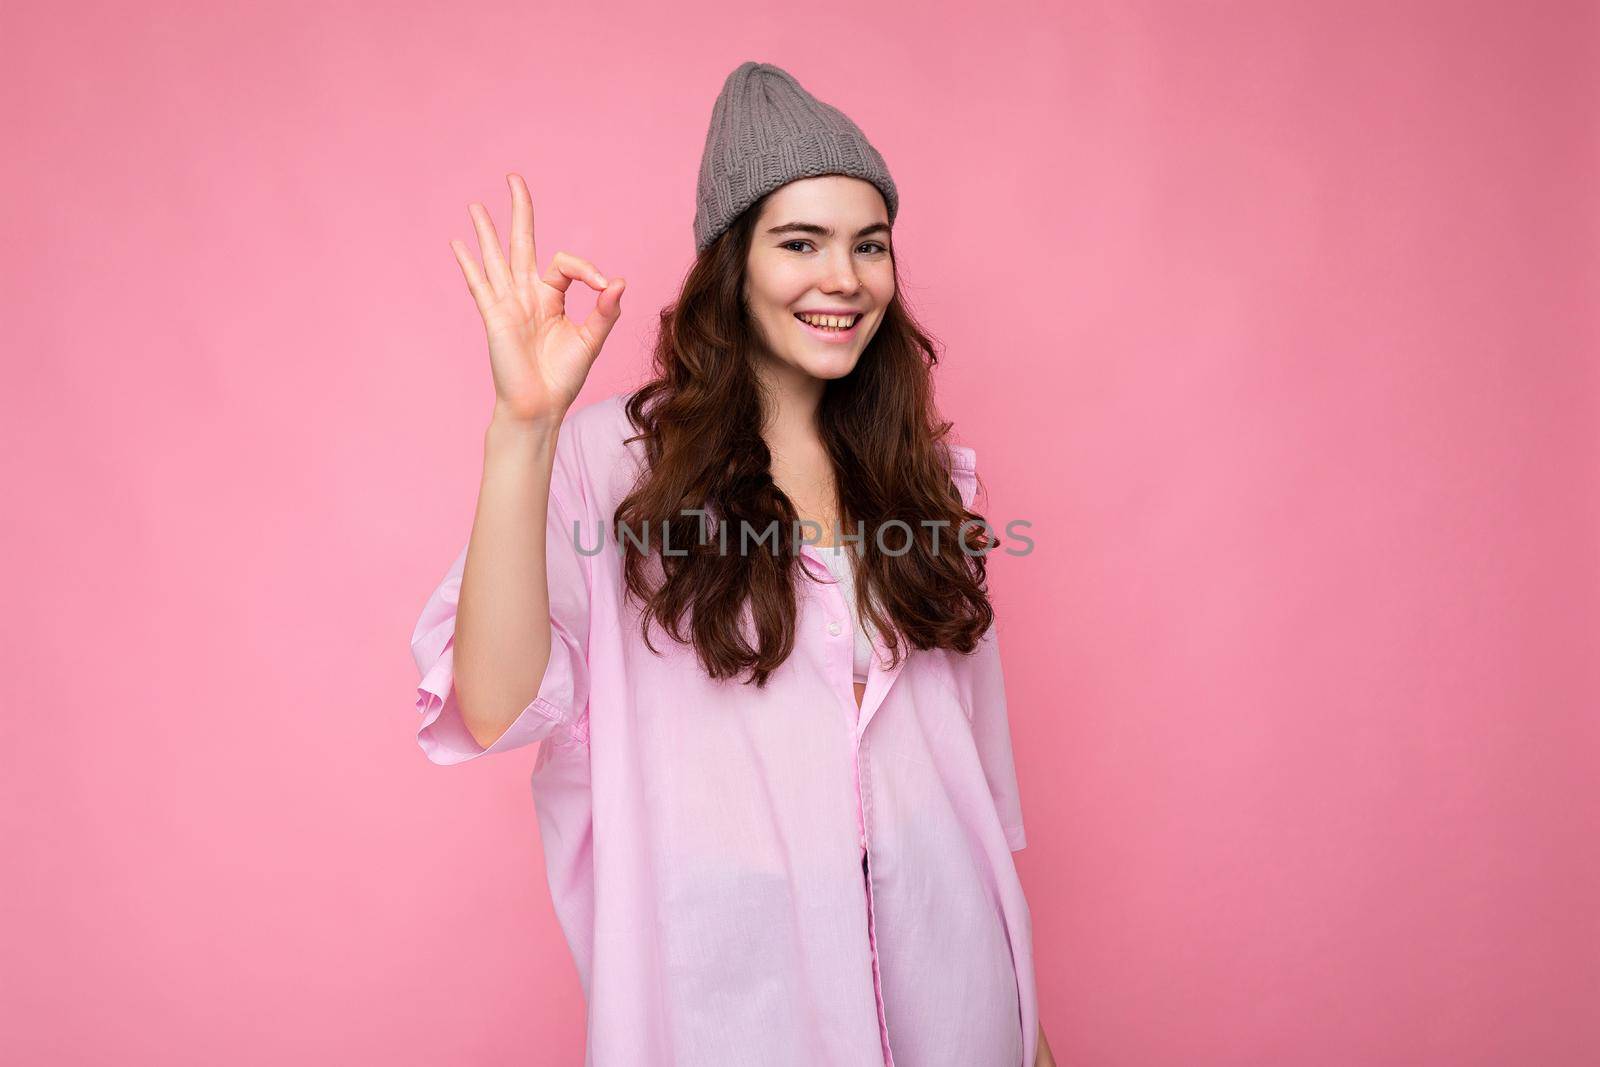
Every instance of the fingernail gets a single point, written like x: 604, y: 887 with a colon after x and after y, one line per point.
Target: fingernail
x: 603, y: 282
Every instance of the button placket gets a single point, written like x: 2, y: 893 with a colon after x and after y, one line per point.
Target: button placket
x: 844, y: 653
x: 865, y: 776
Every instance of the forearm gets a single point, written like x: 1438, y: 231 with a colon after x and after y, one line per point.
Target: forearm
x: 1044, y: 1057
x: 502, y: 637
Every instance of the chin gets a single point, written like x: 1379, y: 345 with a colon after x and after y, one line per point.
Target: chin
x: 827, y: 369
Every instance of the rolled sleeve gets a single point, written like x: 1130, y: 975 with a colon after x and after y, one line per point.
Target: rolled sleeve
x: 561, y: 703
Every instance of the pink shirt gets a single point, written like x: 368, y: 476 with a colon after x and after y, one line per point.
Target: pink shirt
x: 704, y: 840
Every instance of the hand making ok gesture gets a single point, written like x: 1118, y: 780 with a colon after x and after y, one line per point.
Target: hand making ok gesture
x: 539, y: 357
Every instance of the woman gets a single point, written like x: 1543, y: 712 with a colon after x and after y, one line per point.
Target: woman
x: 775, y: 789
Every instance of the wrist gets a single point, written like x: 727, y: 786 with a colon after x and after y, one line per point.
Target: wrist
x: 507, y: 426
x: 508, y: 438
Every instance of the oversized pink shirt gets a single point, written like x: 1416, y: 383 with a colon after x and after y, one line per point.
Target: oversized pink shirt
x: 704, y: 840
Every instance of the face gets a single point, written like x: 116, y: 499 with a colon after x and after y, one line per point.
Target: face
x: 820, y: 245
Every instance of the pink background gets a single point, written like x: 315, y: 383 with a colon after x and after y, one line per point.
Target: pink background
x: 1276, y: 320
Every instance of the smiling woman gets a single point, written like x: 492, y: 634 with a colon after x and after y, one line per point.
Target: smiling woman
x: 775, y: 786
x: 835, y: 278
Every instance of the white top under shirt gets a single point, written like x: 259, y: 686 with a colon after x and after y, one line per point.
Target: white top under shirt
x: 834, y: 556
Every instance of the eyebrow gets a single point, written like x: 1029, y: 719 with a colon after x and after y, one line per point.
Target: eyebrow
x: 824, y: 231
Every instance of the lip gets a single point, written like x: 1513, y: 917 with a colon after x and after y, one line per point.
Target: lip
x: 836, y: 337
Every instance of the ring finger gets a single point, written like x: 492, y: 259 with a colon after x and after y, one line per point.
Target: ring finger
x: 494, y: 261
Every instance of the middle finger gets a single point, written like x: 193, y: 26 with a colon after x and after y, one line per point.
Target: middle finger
x: 524, y: 254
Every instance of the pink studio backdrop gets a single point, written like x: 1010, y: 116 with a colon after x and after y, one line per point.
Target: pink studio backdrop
x: 1275, y: 320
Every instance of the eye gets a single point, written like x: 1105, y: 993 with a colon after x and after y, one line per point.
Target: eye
x: 878, y: 245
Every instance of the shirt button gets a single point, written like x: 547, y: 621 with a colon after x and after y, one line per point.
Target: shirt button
x: 834, y: 628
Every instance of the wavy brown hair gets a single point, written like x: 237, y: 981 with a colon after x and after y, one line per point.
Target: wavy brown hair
x: 700, y: 419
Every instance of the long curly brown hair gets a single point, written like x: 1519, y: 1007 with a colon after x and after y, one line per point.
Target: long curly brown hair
x: 700, y: 419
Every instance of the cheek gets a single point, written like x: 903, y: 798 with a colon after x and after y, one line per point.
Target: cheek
x: 774, y: 294
x: 882, y: 284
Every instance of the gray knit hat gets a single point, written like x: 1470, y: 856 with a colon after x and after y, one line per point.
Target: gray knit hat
x: 767, y: 131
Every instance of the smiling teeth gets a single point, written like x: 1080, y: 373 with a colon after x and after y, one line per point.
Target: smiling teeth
x: 834, y: 322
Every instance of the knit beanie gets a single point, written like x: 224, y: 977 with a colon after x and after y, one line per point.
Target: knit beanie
x: 767, y: 131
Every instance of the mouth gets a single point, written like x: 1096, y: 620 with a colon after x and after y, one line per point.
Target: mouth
x: 832, y: 334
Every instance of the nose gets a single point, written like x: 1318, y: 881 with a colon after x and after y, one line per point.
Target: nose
x: 842, y: 277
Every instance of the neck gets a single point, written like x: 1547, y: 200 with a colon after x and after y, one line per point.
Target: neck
x: 791, y: 400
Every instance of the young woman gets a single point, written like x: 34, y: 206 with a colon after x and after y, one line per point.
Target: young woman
x: 775, y: 787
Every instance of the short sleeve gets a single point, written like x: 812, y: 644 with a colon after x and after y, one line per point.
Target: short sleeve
x: 561, y: 704
x: 991, y: 726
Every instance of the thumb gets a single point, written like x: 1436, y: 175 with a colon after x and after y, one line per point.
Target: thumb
x: 607, y: 310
